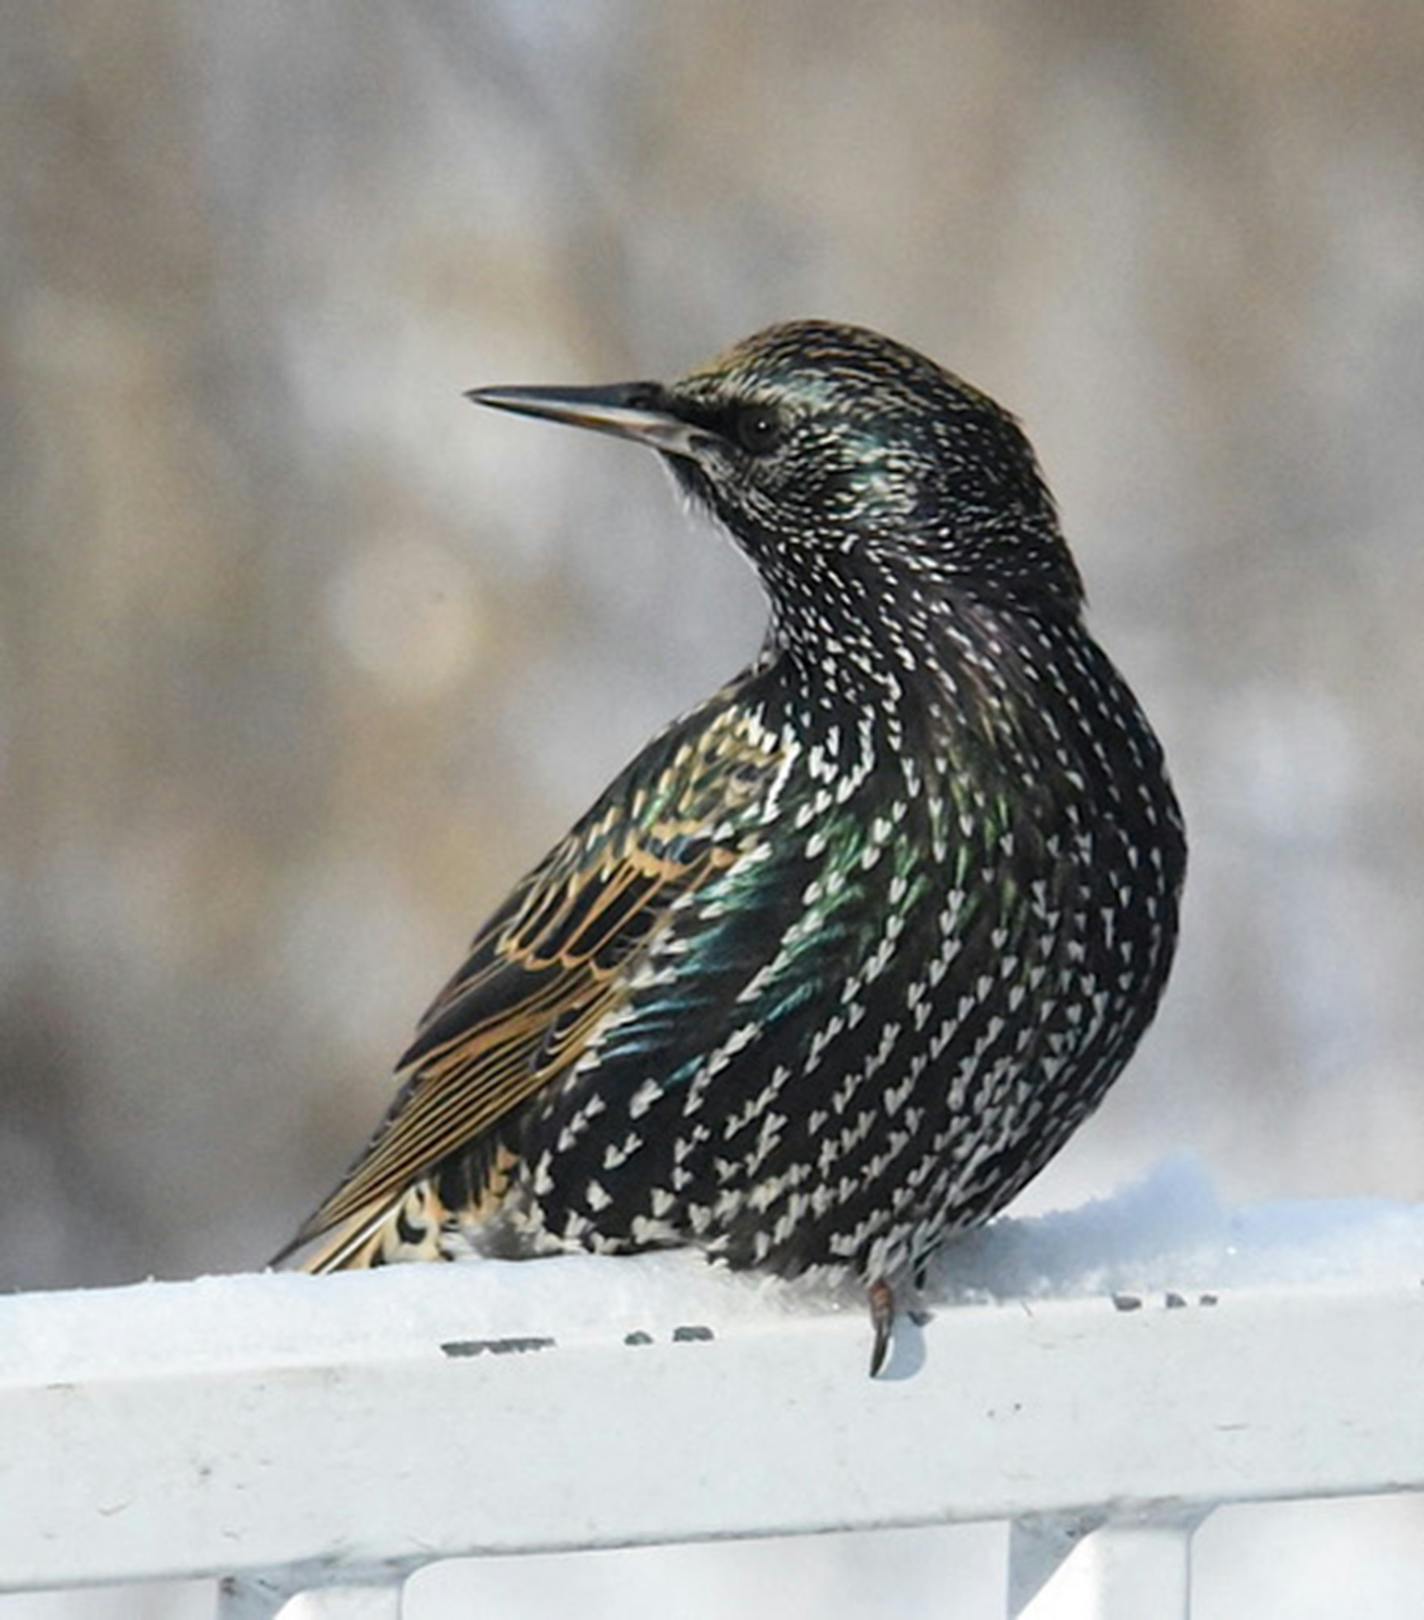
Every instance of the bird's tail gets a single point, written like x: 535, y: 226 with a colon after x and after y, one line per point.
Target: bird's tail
x: 404, y: 1225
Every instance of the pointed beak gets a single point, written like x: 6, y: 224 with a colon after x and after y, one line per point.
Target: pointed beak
x: 631, y: 410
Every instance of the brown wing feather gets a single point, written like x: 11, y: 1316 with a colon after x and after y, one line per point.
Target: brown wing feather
x: 538, y: 981
x: 545, y: 971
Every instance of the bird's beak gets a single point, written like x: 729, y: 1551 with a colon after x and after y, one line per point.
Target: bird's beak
x: 630, y: 410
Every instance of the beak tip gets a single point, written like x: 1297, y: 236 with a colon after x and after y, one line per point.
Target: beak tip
x: 627, y: 410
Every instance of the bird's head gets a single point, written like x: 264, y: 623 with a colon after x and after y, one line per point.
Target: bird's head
x: 828, y: 450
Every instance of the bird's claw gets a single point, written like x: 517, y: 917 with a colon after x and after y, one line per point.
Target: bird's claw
x: 882, y: 1320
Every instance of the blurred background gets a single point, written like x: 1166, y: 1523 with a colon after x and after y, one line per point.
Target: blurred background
x: 302, y: 660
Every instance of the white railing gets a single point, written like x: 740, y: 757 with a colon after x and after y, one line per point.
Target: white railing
x: 332, y: 1435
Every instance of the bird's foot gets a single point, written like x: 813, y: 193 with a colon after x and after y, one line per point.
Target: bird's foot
x: 882, y: 1320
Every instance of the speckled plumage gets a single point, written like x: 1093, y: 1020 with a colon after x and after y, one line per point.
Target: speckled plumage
x: 844, y: 956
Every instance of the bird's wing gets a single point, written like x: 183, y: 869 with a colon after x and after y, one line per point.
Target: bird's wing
x: 554, y: 961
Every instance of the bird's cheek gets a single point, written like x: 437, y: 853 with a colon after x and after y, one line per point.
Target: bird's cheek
x: 724, y: 470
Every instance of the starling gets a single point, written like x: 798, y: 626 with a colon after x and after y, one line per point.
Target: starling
x: 844, y: 956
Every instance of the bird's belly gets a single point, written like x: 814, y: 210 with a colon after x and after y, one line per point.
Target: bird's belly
x: 899, y: 1109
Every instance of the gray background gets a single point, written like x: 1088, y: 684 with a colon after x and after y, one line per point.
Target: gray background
x: 301, y: 659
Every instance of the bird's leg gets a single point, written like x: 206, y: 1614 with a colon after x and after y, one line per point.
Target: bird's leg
x: 882, y: 1320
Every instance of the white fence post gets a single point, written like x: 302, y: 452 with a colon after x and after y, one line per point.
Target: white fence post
x: 1123, y: 1569
x: 265, y: 1598
x: 251, y: 1598
x: 352, y: 1603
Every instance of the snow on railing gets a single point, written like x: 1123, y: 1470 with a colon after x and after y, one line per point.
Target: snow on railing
x: 1102, y: 1378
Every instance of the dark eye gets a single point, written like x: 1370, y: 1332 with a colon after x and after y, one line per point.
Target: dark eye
x: 758, y: 429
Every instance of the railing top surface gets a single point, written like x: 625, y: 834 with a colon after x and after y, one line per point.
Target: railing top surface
x: 1130, y: 1352
x: 1168, y: 1232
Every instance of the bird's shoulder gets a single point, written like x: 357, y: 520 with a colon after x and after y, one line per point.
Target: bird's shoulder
x: 560, y: 956
x: 687, y: 809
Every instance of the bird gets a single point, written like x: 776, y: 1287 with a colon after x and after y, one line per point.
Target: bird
x: 848, y: 951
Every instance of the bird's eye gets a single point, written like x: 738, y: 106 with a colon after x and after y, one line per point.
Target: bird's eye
x: 758, y: 429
